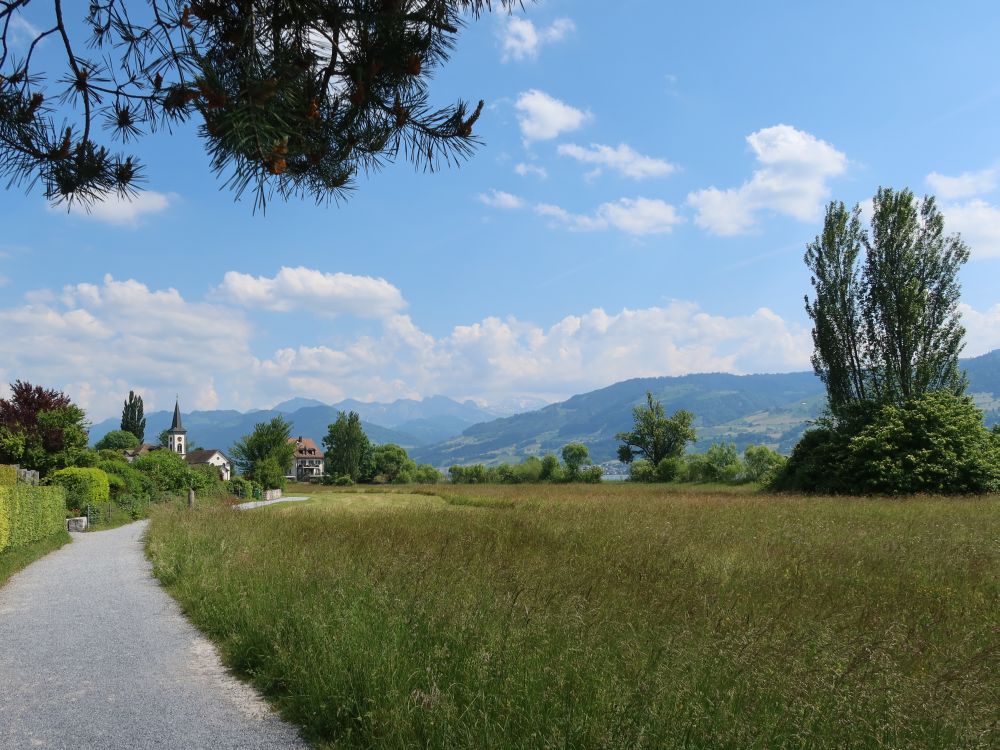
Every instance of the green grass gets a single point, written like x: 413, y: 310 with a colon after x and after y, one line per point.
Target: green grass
x: 13, y: 560
x: 608, y: 616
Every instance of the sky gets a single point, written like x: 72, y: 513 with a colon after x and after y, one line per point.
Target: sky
x: 649, y: 177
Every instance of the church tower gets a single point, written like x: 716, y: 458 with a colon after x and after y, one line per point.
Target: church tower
x: 177, y: 435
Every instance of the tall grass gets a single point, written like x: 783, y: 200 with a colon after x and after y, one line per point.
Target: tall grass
x: 606, y: 617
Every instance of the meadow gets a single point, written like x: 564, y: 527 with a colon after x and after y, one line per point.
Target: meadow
x: 604, y: 616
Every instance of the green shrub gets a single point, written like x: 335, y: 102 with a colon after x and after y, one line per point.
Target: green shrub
x: 591, y: 474
x: 206, y: 481
x: 125, y: 479
x: 240, y: 487
x: 935, y: 443
x: 165, y: 470
x: 668, y: 469
x: 344, y: 480
x: 29, y: 514
x: 427, y: 474
x: 642, y: 470
x: 118, y: 440
x: 84, y: 486
x: 761, y: 464
x: 269, y: 473
x: 8, y: 476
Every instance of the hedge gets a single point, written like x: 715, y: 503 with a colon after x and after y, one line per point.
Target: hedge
x: 8, y: 476
x: 83, y: 486
x: 29, y: 514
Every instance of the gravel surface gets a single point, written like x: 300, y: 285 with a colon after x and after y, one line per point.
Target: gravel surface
x: 262, y: 503
x: 95, y: 654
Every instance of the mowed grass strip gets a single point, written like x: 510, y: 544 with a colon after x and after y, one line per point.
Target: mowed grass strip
x: 606, y: 617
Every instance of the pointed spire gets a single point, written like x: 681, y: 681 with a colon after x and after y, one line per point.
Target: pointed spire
x: 177, y: 426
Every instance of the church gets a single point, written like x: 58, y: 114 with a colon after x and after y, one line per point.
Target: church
x: 177, y: 443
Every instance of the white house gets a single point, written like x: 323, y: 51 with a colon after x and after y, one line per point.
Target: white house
x: 213, y: 457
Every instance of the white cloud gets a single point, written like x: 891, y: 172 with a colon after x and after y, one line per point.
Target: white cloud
x: 521, y: 40
x: 97, y: 341
x: 795, y: 168
x: 622, y: 159
x: 637, y: 216
x: 309, y: 289
x: 979, y: 224
x: 126, y: 212
x: 543, y: 117
x: 495, y: 358
x: 500, y: 199
x: 982, y: 329
x: 525, y: 169
x: 964, y: 185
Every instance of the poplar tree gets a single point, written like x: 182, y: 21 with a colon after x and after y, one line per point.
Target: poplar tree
x: 290, y: 98
x: 348, y: 450
x: 886, y: 324
x: 132, y: 417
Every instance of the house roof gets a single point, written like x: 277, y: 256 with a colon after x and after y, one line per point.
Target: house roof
x: 204, y: 455
x: 306, y: 448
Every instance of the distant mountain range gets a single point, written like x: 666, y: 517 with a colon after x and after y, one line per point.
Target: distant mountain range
x: 744, y: 409
x: 761, y: 409
x: 407, y: 422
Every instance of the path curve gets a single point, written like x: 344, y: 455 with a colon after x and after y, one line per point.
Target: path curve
x: 264, y: 503
x: 95, y: 654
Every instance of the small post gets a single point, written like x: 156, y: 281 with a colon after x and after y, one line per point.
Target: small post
x: 190, y: 497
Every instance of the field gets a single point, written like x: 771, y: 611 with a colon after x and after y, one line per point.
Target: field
x: 606, y: 616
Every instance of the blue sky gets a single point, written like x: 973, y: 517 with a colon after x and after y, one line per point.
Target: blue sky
x: 640, y: 207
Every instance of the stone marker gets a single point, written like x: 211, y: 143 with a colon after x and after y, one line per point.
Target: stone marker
x: 76, y: 524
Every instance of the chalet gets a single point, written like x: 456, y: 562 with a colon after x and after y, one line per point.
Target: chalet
x: 308, y: 462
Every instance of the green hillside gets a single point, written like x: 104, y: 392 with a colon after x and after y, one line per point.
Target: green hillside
x: 772, y: 410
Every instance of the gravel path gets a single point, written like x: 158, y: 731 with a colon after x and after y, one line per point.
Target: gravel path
x: 95, y: 654
x: 262, y: 503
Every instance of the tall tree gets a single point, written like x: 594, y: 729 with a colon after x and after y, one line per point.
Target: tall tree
x: 655, y: 436
x: 348, y: 450
x: 886, y: 326
x: 41, y: 428
x: 132, y: 417
x: 265, y: 452
x: 292, y: 98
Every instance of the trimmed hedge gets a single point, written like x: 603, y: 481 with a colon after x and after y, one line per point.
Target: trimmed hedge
x: 8, y: 476
x: 29, y: 514
x: 83, y: 486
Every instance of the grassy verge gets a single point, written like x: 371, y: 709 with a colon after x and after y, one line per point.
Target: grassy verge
x: 13, y: 560
x: 605, y: 616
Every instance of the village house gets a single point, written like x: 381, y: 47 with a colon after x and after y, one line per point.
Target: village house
x: 308, y: 462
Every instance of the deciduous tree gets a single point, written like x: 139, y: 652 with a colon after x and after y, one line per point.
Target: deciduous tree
x: 266, y: 451
x: 654, y: 435
x: 348, y: 450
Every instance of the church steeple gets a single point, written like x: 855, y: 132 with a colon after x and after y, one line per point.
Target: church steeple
x: 177, y: 435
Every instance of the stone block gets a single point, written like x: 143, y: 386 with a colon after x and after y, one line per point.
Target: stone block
x: 76, y: 524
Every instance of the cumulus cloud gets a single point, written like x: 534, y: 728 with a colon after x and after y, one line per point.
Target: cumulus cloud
x: 982, y: 329
x: 637, y: 216
x: 521, y: 40
x: 622, y: 159
x: 97, y: 341
x: 124, y: 212
x: 964, y: 185
x: 979, y: 224
x: 531, y: 169
x: 309, y: 289
x: 792, y: 179
x: 543, y: 117
x: 497, y: 357
x: 500, y: 199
